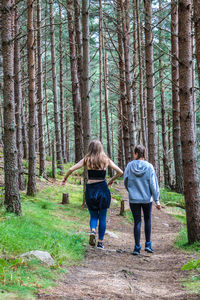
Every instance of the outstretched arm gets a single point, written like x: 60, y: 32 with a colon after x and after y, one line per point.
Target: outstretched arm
x: 77, y: 166
x: 117, y: 169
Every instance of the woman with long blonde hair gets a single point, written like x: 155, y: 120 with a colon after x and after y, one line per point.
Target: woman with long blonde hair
x: 97, y: 194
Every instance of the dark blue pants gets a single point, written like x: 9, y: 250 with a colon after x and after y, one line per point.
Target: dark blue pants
x: 136, y: 211
x: 100, y: 215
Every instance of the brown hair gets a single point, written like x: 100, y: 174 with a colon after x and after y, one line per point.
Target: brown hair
x: 96, y: 157
x: 141, y: 151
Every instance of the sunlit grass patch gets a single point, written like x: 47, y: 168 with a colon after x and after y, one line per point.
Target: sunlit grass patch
x: 45, y: 225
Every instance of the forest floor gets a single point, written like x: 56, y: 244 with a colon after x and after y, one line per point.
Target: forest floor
x: 114, y: 273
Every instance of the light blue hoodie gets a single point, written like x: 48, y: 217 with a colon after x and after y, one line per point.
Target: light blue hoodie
x: 141, y: 182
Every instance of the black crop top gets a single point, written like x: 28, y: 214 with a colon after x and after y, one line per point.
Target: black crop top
x: 96, y: 174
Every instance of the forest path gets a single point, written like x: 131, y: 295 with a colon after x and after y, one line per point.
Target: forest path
x: 114, y: 273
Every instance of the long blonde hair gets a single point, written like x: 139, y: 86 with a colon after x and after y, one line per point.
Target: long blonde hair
x: 96, y: 158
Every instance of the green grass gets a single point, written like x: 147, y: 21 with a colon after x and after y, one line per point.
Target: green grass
x: 45, y: 225
x: 129, y: 217
x: 177, y: 204
x: 169, y: 198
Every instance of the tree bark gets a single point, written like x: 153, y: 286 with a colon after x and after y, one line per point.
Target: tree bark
x: 75, y: 85
x: 177, y: 152
x: 18, y: 101
x: 24, y: 121
x: 105, y: 65
x: 163, y: 114
x: 45, y: 84
x: 53, y: 162
x: 55, y: 93
x: 196, y: 4
x: 67, y: 131
x: 31, y: 190
x: 86, y: 115
x: 100, y: 70
x: 79, y: 43
x: 151, y: 115
x: 188, y: 138
x: 40, y: 94
x: 126, y: 42
x: 85, y: 83
x: 126, y: 138
x: 120, y: 136
x: 12, y: 196
x: 141, y: 79
x: 62, y: 117
x: 135, y: 38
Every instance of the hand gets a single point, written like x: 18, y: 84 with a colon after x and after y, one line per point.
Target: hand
x: 158, y: 206
x: 110, y: 182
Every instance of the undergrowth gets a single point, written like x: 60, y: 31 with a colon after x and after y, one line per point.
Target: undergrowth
x: 177, y: 204
x: 45, y: 225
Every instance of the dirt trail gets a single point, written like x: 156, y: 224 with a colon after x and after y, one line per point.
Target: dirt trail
x: 116, y: 274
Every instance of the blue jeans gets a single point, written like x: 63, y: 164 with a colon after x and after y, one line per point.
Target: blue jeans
x: 136, y: 212
x: 100, y: 215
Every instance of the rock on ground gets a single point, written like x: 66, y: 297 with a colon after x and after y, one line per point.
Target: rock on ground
x: 43, y: 256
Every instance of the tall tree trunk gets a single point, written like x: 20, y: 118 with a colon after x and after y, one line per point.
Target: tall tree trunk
x: 126, y: 138
x: 196, y: 4
x: 36, y: 84
x: 159, y: 157
x: 151, y: 115
x: 112, y: 132
x: 86, y: 115
x: 45, y: 83
x: 1, y: 122
x: 79, y: 43
x: 188, y: 138
x: 126, y: 41
x: 105, y: 64
x: 55, y: 93
x: 120, y: 136
x: 75, y: 85
x: 40, y: 94
x: 141, y: 83
x: 67, y: 130
x: 24, y: 121
x: 163, y: 113
x: 62, y: 117
x: 135, y: 64
x: 164, y: 128
x: 31, y: 189
x: 175, y: 99
x: 18, y: 101
x: 85, y: 84
x: 100, y: 70
x: 12, y: 196
x: 193, y: 73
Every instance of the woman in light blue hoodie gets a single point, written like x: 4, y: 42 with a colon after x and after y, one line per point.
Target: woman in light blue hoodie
x: 142, y: 185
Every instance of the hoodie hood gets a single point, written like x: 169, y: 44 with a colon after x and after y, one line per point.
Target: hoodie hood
x: 139, y: 167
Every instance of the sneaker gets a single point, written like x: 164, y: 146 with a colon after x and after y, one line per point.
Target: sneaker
x: 100, y: 245
x: 148, y: 247
x: 92, y: 240
x: 136, y: 250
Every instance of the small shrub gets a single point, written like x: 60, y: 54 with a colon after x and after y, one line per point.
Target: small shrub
x: 25, y: 163
x: 48, y: 158
x: 192, y: 264
x: 49, y: 172
x: 170, y: 198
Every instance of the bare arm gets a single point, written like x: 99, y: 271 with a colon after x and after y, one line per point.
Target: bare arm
x: 77, y: 166
x: 117, y: 169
